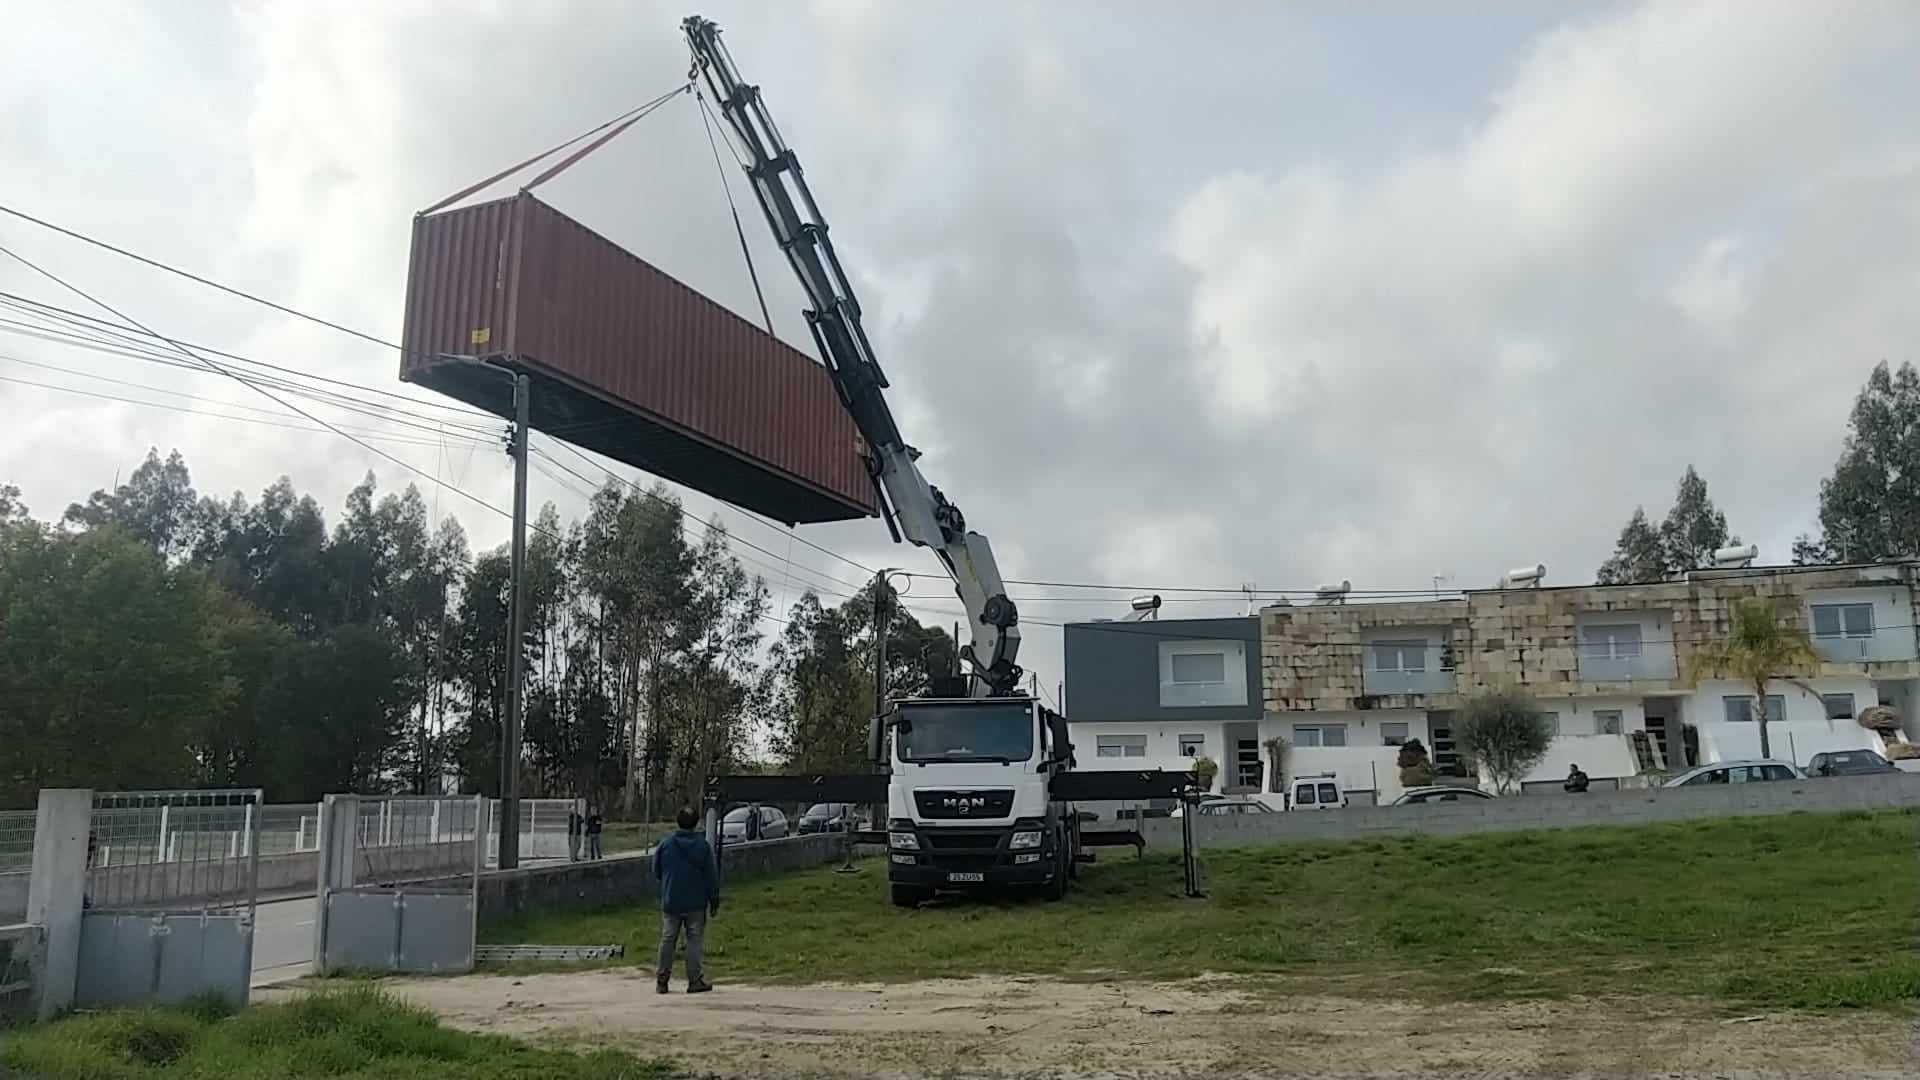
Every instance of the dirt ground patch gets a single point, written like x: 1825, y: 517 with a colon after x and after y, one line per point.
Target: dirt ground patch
x: 1039, y: 1026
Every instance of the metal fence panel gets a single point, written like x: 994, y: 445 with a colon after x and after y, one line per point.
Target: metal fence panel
x: 128, y: 959
x: 543, y: 829
x: 398, y: 931
x: 172, y: 882
x: 398, y: 881
x: 174, y: 851
x: 16, y: 863
x: 22, y: 957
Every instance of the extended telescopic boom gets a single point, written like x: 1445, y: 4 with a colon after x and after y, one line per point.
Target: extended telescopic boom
x: 914, y: 509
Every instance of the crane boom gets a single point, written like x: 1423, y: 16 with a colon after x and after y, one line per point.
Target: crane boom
x: 914, y: 509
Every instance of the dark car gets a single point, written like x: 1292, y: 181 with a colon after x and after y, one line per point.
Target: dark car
x: 1848, y: 763
x: 827, y: 817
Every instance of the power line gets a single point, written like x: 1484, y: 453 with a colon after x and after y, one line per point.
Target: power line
x: 241, y: 379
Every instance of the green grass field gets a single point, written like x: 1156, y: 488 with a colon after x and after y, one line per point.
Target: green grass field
x: 1800, y: 910
x: 352, y: 1032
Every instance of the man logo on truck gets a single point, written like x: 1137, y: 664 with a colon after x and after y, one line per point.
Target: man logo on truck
x: 966, y: 804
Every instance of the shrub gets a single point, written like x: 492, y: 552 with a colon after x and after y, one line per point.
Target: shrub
x: 1505, y: 734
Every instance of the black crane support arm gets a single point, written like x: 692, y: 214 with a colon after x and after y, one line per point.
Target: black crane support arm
x: 915, y: 509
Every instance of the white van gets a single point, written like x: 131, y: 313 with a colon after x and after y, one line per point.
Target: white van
x: 1316, y: 793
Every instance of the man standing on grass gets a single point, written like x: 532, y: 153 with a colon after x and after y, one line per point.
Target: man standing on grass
x: 689, y: 882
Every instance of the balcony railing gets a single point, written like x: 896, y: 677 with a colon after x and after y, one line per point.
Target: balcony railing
x: 1885, y: 643
x: 1598, y: 666
x: 1431, y: 680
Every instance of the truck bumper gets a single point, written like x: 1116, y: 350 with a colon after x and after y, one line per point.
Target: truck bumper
x: 941, y: 877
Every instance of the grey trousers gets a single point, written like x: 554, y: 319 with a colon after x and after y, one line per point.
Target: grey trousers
x: 695, y: 925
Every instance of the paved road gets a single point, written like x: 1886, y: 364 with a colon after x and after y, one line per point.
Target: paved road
x: 282, y: 940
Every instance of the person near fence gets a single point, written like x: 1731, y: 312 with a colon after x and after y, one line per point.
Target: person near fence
x: 575, y: 827
x: 689, y: 882
x: 594, y: 824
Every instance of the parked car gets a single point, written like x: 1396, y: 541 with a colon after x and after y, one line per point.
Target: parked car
x: 1439, y: 793
x: 1848, y: 763
x: 753, y: 823
x: 827, y: 817
x: 1223, y: 805
x: 1736, y: 772
x: 1316, y: 793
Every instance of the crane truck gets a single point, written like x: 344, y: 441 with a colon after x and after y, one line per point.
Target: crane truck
x: 978, y: 780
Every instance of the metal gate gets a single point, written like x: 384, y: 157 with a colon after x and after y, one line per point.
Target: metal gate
x: 399, y: 883
x: 172, y: 879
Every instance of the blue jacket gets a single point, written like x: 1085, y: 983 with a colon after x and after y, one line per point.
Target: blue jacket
x: 683, y: 867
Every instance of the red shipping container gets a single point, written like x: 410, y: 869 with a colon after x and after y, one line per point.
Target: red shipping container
x: 626, y: 361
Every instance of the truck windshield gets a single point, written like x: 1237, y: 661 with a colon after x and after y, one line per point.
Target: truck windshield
x: 965, y: 733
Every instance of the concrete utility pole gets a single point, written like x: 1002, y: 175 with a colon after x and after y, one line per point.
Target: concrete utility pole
x: 516, y: 661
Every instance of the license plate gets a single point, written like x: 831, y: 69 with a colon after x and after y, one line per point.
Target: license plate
x: 966, y: 877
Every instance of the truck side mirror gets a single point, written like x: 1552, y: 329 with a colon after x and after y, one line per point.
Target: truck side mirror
x: 1057, y: 734
x: 877, y: 740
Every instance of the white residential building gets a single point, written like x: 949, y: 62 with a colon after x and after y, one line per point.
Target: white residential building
x: 1342, y: 685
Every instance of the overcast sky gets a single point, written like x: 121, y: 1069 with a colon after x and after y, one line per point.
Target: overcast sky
x: 1169, y: 295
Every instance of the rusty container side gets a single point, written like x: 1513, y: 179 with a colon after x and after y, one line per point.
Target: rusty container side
x: 628, y: 361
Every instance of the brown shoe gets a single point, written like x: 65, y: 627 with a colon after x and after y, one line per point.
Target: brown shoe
x: 699, y: 987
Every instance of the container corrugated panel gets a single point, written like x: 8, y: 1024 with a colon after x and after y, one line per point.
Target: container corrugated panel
x: 626, y: 361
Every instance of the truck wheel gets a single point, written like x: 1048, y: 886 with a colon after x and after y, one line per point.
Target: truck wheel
x: 908, y: 896
x: 1057, y: 888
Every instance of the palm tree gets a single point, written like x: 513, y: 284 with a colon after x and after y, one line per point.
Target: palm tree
x: 1759, y: 648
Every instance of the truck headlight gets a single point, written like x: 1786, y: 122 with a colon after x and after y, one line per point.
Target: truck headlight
x: 1026, y: 839
x: 905, y: 841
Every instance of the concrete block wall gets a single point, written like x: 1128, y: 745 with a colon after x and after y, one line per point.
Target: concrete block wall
x: 1312, y: 658
x: 628, y: 879
x: 1633, y: 807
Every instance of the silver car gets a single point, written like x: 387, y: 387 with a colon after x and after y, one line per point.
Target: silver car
x: 741, y: 824
x: 1736, y: 772
x: 1439, y: 793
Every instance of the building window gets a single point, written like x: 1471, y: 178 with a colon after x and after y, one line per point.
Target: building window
x: 1393, y: 734
x: 1320, y: 735
x: 1607, y: 721
x: 1202, y: 674
x: 1407, y: 657
x: 1120, y: 745
x: 1839, y: 706
x: 1199, y: 667
x: 1843, y: 620
x: 1553, y: 722
x: 1740, y: 709
x: 1611, y: 641
x: 1193, y: 745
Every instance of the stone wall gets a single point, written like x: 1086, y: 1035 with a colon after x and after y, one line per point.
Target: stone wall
x: 1559, y: 811
x: 1312, y: 658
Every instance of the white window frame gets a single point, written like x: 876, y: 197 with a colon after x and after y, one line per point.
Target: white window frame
x: 1123, y: 746
x: 1611, y: 641
x: 1198, y: 743
x: 1553, y: 719
x: 1827, y: 706
x: 1619, y: 721
x: 1388, y: 738
x: 1173, y: 668
x: 1319, y: 735
x: 1841, y: 630
x: 1399, y: 650
x: 1775, y: 716
x: 1229, y: 692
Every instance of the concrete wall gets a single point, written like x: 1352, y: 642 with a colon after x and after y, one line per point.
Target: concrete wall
x: 628, y: 879
x: 1549, y: 811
